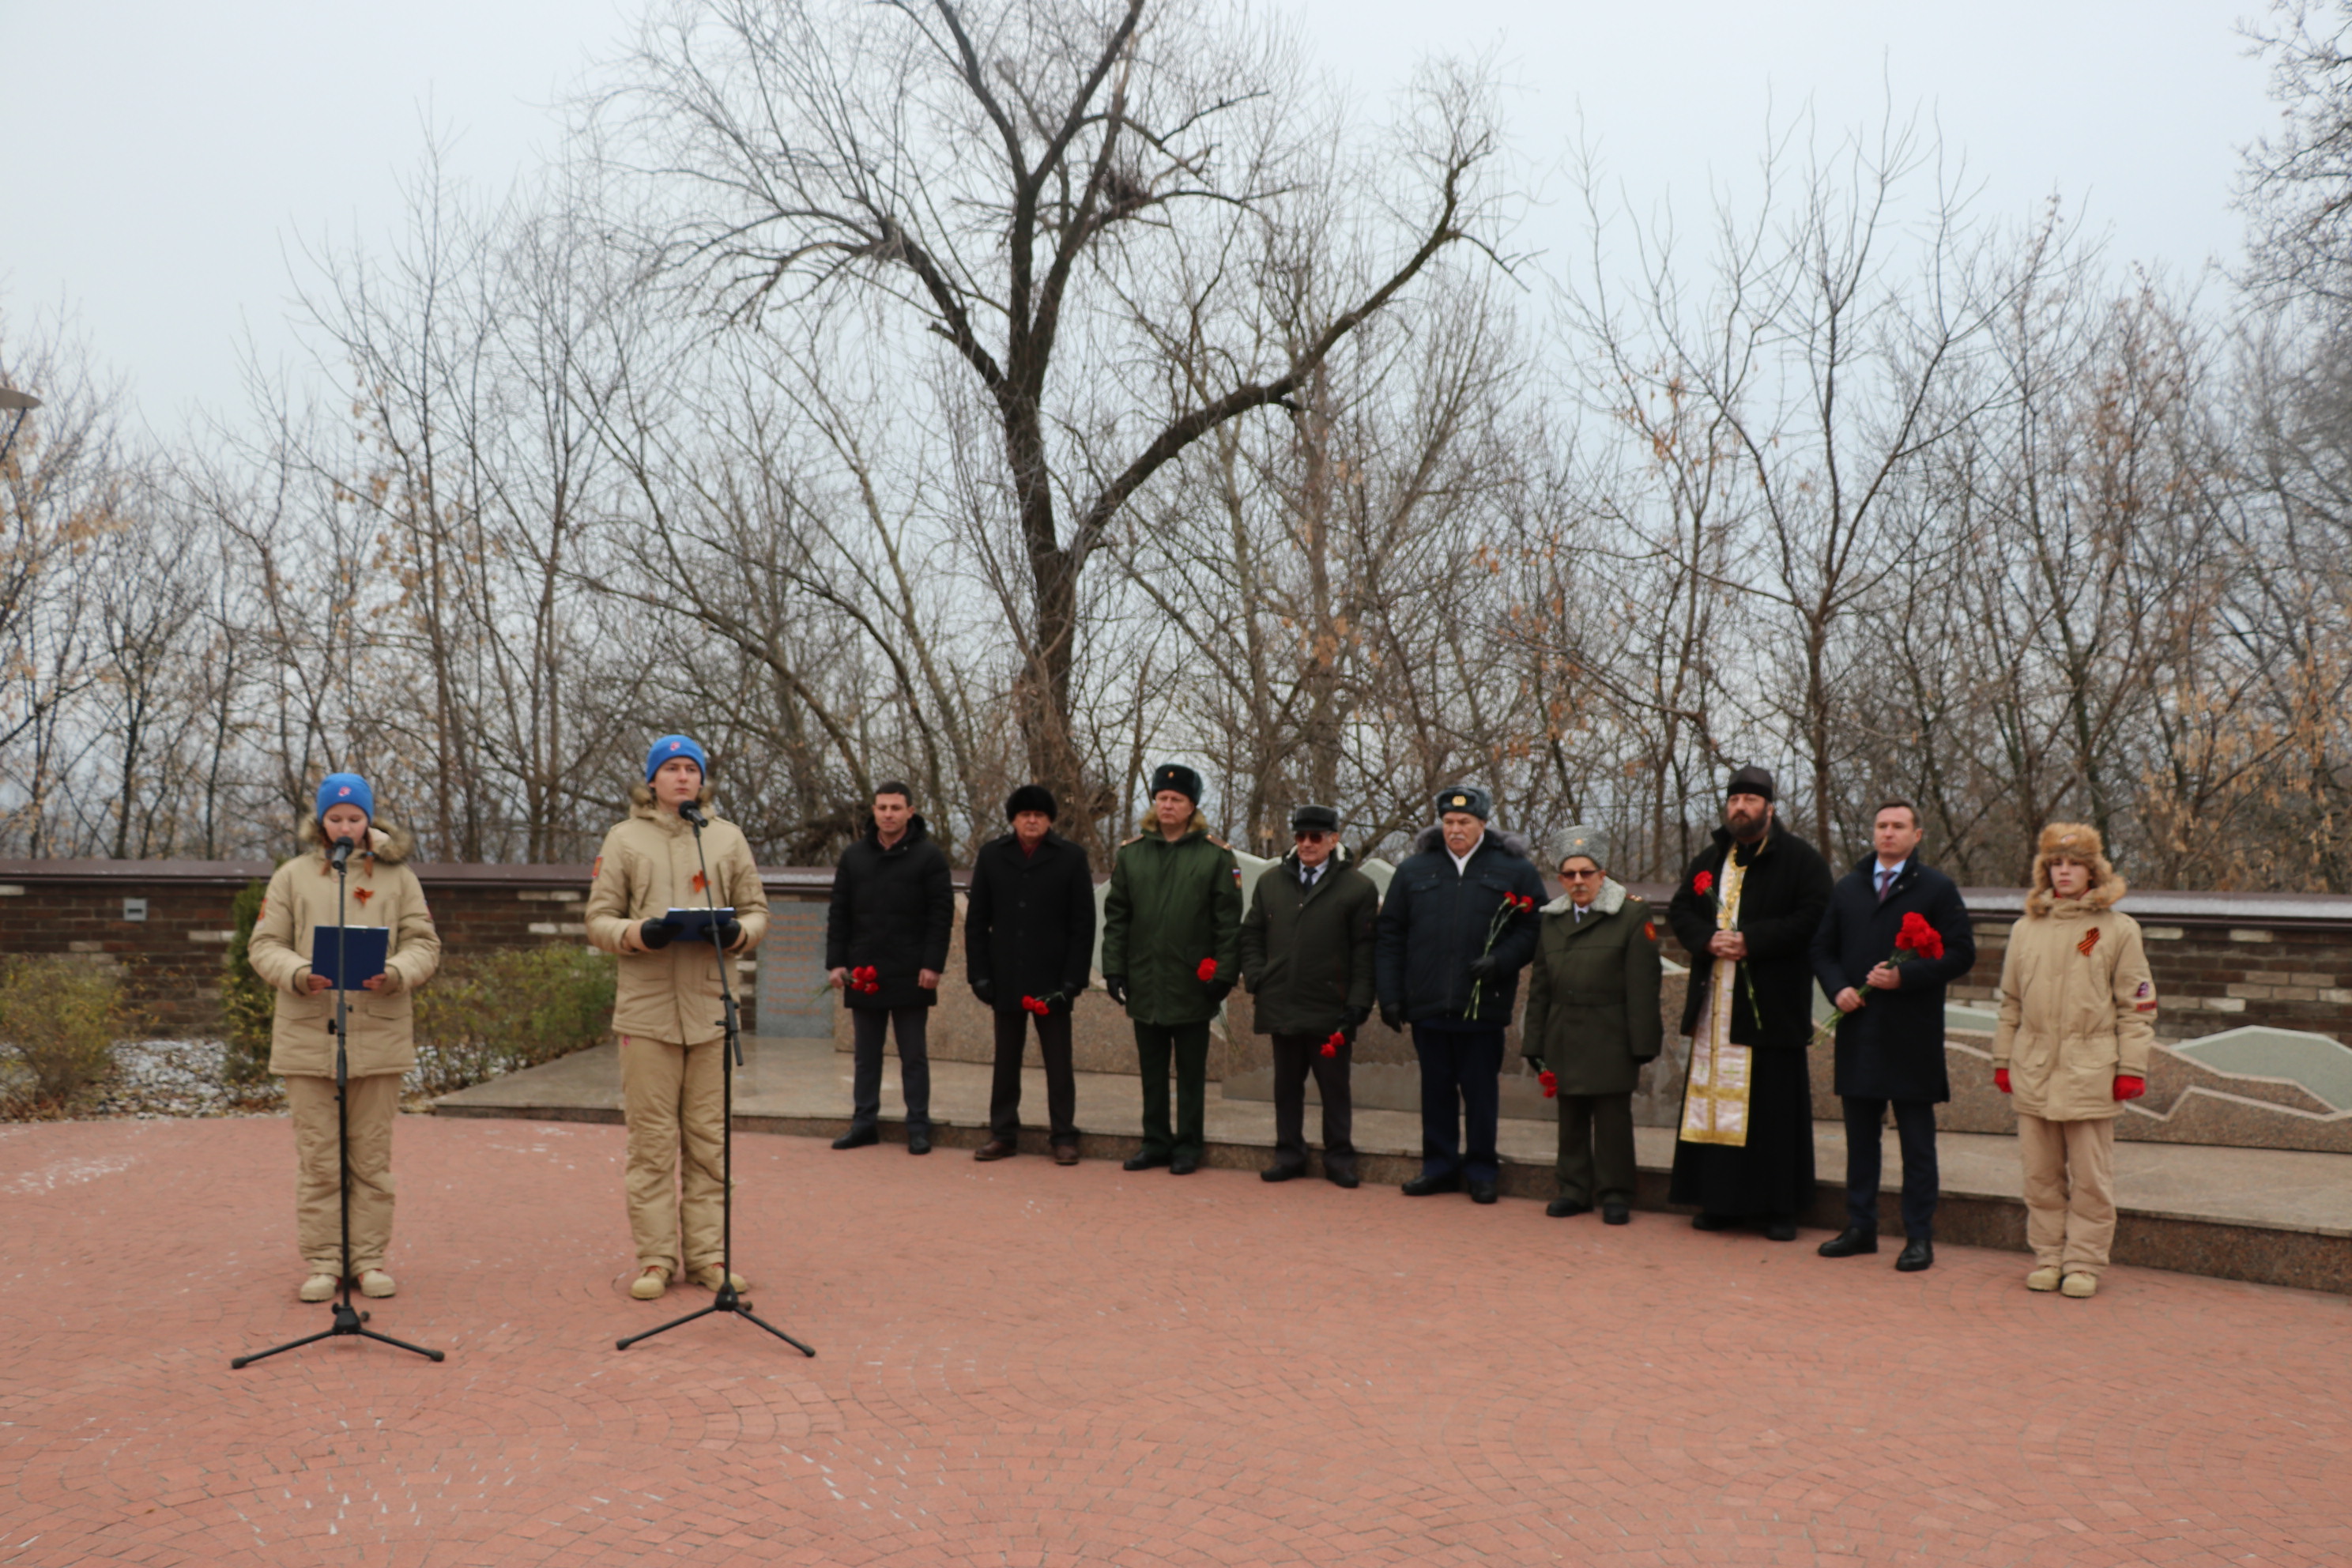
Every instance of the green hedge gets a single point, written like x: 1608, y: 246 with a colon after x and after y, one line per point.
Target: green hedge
x: 59, y: 1018
x: 507, y: 1009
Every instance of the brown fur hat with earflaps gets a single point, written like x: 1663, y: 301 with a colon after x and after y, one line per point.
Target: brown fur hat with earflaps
x: 390, y: 846
x: 2077, y: 841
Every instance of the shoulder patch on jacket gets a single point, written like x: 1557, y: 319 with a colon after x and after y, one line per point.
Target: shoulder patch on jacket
x: 2145, y: 997
x: 597, y: 870
x: 1649, y: 929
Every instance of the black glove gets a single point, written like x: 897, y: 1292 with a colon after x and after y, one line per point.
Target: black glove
x: 1218, y: 991
x: 656, y: 934
x: 1483, y: 967
x: 1355, y: 1016
x: 1393, y: 1018
x: 1071, y: 991
x: 730, y: 932
x: 1534, y: 1064
x: 986, y: 990
x: 1116, y: 984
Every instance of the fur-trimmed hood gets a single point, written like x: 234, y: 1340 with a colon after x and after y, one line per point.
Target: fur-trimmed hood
x: 1608, y: 902
x: 1433, y: 839
x: 2073, y: 841
x: 386, y: 845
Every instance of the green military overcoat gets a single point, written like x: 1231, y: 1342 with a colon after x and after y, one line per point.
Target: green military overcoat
x: 1592, y: 993
x: 1307, y: 952
x: 1171, y: 906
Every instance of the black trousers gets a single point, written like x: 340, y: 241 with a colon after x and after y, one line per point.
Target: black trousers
x: 1188, y: 1045
x: 1596, y: 1148
x: 1061, y: 1083
x: 1915, y: 1130
x: 912, y: 1026
x: 1296, y: 1056
x: 1461, y: 1100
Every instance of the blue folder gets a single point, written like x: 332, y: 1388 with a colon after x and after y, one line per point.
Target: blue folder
x: 365, y: 948
x: 694, y: 925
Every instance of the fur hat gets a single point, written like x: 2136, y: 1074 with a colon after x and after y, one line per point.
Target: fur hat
x: 1588, y: 842
x: 1469, y: 798
x: 1030, y: 797
x: 1180, y: 778
x: 1320, y: 818
x: 2078, y: 842
x: 670, y: 746
x: 1750, y: 780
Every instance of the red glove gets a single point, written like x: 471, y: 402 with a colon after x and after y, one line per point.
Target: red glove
x: 2128, y: 1086
x: 2000, y: 1079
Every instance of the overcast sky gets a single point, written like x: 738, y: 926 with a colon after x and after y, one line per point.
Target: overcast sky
x: 162, y: 162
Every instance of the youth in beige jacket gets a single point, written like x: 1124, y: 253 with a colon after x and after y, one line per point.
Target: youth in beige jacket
x: 647, y: 868
x: 2077, y: 1004
x: 301, y: 897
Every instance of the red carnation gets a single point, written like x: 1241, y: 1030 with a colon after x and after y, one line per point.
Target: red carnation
x: 1332, y: 1047
x: 1918, y: 937
x: 1205, y: 971
x: 1550, y: 1081
x: 1703, y: 884
x: 1031, y: 1004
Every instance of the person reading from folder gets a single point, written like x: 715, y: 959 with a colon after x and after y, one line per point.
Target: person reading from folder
x: 668, y: 1011
x: 383, y: 893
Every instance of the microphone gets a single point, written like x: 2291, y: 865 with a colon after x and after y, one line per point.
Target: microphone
x: 341, y: 853
x: 692, y: 815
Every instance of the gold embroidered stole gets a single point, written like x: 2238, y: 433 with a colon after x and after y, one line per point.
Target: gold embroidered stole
x: 1715, y: 1098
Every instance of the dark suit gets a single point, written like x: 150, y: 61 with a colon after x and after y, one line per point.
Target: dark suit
x: 1029, y: 932
x: 1891, y: 1052
x: 1307, y: 962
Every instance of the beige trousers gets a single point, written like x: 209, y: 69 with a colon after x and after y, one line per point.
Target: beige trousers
x: 317, y: 1201
x: 674, y: 1097
x: 2070, y: 1192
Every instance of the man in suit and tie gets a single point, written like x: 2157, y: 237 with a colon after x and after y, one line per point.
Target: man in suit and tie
x: 1890, y: 1036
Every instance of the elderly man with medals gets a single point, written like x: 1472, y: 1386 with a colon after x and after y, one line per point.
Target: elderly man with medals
x: 1746, y: 911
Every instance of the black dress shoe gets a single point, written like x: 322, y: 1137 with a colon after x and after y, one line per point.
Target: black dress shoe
x: 1183, y: 1164
x: 1065, y: 1153
x: 857, y: 1138
x: 1615, y: 1213
x: 1144, y: 1161
x: 1348, y: 1179
x: 1565, y: 1208
x: 1422, y: 1186
x: 1780, y: 1230
x: 1850, y: 1241
x: 1918, y: 1253
x: 1483, y: 1193
x: 918, y: 1142
x: 1712, y: 1222
x: 1282, y: 1172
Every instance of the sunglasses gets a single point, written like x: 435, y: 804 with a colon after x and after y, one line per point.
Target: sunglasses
x: 1311, y: 835
x: 1580, y: 875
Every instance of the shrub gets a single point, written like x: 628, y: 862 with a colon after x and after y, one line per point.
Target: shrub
x: 512, y: 1009
x: 62, y: 1016
x: 247, y: 1005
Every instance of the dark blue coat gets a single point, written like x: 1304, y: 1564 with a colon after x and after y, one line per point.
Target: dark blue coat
x: 1893, y: 1047
x: 1435, y: 921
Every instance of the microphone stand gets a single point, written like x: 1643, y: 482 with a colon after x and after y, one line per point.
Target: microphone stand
x: 729, y: 1056
x: 348, y: 1321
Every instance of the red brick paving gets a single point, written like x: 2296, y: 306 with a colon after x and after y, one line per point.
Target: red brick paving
x: 1022, y: 1364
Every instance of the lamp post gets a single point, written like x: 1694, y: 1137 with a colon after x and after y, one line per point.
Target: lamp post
x: 22, y: 404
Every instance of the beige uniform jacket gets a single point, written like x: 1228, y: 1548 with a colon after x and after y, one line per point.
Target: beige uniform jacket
x: 2076, y: 1009
x: 301, y: 897
x: 647, y: 868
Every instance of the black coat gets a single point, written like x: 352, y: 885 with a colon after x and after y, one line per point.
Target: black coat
x: 1434, y: 923
x: 894, y: 910
x: 1780, y: 905
x: 1029, y: 923
x: 1307, y: 952
x: 1893, y: 1047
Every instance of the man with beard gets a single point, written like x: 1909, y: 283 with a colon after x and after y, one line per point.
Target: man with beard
x: 1746, y: 911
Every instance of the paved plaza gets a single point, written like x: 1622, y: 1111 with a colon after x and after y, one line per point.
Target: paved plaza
x: 1025, y: 1365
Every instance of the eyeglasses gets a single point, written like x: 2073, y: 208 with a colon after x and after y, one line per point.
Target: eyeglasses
x: 1579, y: 875
x: 1312, y: 835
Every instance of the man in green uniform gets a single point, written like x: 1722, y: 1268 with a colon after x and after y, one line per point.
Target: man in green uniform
x: 1172, y: 924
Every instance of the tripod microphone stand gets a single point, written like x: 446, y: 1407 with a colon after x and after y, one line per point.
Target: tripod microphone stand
x: 731, y: 1056
x: 348, y: 1321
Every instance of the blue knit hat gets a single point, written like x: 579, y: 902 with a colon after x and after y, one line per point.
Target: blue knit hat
x: 670, y: 746
x: 345, y: 789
